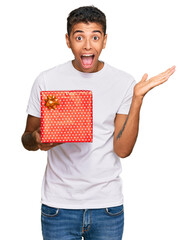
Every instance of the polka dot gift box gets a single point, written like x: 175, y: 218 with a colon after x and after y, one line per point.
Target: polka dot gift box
x: 66, y: 116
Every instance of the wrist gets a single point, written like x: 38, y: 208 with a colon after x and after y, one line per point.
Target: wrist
x: 138, y: 100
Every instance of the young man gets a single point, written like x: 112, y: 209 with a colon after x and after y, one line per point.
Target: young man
x: 82, y: 190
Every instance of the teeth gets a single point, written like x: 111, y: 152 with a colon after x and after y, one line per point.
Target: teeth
x: 87, y: 55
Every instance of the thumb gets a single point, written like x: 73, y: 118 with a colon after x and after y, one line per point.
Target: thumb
x: 37, y: 134
x: 39, y: 130
x: 144, y: 78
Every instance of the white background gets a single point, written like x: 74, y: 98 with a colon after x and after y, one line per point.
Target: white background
x: 143, y: 37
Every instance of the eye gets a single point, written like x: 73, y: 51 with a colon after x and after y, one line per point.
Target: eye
x: 95, y: 38
x: 79, y: 38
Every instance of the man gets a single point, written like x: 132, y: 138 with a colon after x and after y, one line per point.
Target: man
x: 82, y: 190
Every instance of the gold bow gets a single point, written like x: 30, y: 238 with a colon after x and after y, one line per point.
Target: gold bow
x: 51, y: 102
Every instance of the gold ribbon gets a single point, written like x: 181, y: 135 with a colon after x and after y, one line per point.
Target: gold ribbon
x: 51, y: 102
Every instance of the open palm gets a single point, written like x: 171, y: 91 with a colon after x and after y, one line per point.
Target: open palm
x: 144, y: 86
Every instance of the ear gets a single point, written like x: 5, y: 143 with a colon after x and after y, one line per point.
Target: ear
x: 105, y: 40
x: 67, y: 40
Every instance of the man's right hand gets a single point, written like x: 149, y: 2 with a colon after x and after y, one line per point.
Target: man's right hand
x: 42, y: 146
x: 31, y: 138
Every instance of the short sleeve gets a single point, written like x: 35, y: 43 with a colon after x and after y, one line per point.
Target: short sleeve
x: 126, y: 103
x: 34, y: 105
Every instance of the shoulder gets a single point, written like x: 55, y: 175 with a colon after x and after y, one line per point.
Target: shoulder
x: 58, y: 69
x: 53, y: 72
x: 120, y: 75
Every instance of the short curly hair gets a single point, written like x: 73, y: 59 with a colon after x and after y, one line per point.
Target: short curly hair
x: 86, y: 14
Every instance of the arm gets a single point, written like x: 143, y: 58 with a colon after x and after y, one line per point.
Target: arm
x: 126, y: 130
x: 127, y: 126
x: 31, y: 138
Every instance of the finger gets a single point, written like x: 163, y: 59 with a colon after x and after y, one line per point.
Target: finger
x: 169, y: 71
x: 144, y: 78
x: 173, y: 67
x: 44, y: 147
x: 47, y: 146
x: 155, y: 81
x: 163, y: 76
x: 56, y: 144
x: 172, y: 70
x: 37, y: 136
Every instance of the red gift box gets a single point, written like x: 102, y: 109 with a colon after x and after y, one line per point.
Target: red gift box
x: 66, y: 116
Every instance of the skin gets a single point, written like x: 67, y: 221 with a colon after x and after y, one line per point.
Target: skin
x: 127, y: 126
x: 83, y: 39
x: 90, y: 39
x: 87, y: 39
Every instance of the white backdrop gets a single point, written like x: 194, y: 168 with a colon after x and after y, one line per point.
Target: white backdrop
x: 143, y: 36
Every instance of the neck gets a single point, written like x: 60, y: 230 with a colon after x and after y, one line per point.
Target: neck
x: 97, y: 68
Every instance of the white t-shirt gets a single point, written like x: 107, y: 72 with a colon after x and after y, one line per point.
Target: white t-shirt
x: 85, y: 175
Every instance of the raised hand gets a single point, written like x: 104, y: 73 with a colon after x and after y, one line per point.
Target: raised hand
x: 144, y: 86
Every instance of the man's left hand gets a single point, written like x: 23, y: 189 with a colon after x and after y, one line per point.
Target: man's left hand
x: 144, y: 86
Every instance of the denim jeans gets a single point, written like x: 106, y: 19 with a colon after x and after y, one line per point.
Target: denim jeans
x: 91, y: 224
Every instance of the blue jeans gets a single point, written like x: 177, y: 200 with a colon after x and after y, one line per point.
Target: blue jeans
x: 91, y: 224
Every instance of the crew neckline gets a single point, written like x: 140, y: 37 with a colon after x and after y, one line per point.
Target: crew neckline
x: 87, y: 75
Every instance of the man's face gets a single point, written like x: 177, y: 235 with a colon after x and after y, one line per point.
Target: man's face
x: 86, y: 42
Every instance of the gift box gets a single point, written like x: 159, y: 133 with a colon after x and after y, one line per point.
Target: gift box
x: 66, y: 116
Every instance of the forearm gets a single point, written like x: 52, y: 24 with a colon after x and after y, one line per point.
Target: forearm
x: 29, y: 142
x: 124, y: 141
x: 126, y: 138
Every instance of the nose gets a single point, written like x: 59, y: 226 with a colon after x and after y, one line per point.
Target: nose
x: 87, y: 44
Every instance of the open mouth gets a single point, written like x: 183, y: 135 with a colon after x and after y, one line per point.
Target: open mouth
x: 87, y: 60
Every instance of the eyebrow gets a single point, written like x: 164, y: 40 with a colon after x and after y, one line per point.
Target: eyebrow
x: 80, y: 31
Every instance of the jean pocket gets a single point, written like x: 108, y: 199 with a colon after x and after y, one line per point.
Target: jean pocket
x: 49, y: 211
x: 115, y: 211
